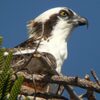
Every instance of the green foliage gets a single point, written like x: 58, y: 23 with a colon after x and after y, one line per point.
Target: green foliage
x: 16, y: 88
x: 1, y: 58
x: 1, y: 40
x: 6, y: 72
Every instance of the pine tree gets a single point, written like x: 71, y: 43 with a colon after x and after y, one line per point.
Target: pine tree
x: 7, y: 91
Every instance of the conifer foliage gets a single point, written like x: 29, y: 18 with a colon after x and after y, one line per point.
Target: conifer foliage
x: 8, y: 91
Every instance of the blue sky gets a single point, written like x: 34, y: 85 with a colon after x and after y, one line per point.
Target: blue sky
x: 83, y: 45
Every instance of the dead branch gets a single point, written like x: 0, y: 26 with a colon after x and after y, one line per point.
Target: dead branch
x: 74, y: 81
x: 72, y: 93
x: 95, y: 77
x: 48, y: 96
x: 67, y: 82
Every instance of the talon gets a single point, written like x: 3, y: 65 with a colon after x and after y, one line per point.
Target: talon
x: 38, y: 77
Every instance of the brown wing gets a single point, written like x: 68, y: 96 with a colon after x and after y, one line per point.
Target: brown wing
x: 30, y: 44
x: 36, y: 63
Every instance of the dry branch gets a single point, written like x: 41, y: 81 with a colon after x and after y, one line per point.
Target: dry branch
x: 67, y: 82
x: 95, y: 77
x: 74, y: 81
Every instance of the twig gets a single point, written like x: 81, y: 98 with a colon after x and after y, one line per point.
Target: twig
x: 60, y: 90
x: 90, y: 93
x: 95, y: 77
x: 68, y: 80
x: 72, y: 93
x: 86, y: 83
x: 48, y: 96
x: 82, y: 83
x: 40, y: 38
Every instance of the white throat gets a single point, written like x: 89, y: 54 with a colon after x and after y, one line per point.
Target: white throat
x: 57, y: 45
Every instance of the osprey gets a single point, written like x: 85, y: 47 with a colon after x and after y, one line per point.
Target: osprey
x: 48, y: 34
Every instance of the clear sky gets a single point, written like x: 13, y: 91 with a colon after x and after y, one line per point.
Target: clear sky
x: 83, y: 45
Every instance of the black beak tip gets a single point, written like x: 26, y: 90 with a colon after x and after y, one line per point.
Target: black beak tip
x: 83, y: 21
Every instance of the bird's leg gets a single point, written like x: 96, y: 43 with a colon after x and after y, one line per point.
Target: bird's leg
x: 60, y: 88
x: 34, y: 85
x: 36, y: 77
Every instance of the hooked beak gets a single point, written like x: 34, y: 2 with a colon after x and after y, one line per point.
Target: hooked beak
x: 82, y: 21
x: 79, y: 21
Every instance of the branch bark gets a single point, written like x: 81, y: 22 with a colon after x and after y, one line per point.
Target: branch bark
x: 75, y: 81
x: 65, y: 81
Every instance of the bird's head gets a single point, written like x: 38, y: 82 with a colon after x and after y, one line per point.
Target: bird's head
x: 57, y: 21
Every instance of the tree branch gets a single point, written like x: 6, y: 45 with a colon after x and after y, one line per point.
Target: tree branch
x: 65, y: 81
x: 48, y: 96
x: 95, y: 77
x: 68, y: 80
x: 82, y: 83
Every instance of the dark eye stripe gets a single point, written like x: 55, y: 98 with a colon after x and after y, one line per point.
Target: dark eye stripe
x: 48, y: 26
x: 70, y: 12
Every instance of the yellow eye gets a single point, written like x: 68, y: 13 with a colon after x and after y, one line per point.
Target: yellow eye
x: 63, y: 13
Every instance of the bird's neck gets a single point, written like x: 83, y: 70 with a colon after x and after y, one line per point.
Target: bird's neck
x: 57, y: 46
